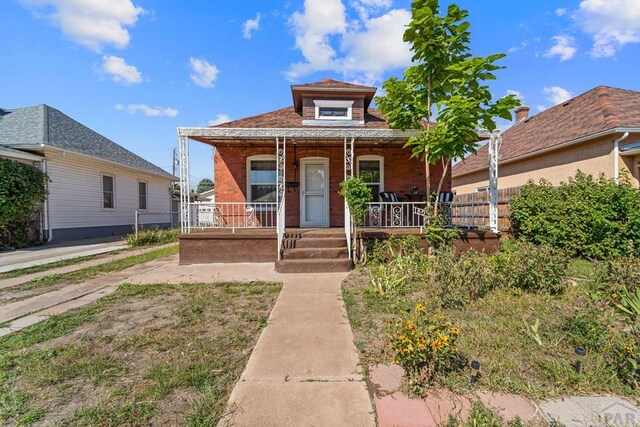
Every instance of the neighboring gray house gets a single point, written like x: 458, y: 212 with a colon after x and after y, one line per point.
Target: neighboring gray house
x: 95, y: 185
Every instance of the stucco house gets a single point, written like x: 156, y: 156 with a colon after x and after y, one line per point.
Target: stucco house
x: 284, y: 168
x: 95, y: 185
x: 596, y: 132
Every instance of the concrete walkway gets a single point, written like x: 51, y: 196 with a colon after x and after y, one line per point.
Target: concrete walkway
x: 15, y: 281
x: 47, y: 254
x: 304, y: 369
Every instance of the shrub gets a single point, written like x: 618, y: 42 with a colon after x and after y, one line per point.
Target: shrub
x: 425, y: 346
x: 386, y: 279
x: 460, y: 279
x: 532, y: 268
x: 594, y: 218
x: 22, y: 186
x: 154, y: 237
x: 357, y: 195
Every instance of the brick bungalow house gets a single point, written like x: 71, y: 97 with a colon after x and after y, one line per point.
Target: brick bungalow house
x: 284, y: 168
x: 596, y: 132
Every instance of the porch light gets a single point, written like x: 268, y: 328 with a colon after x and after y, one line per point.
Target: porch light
x: 475, y: 365
x: 581, y: 352
x: 295, y: 165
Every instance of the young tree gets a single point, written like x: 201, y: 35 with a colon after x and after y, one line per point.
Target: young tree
x: 445, y: 82
x: 205, y: 184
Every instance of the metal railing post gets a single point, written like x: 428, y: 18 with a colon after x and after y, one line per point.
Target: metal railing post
x: 136, y: 225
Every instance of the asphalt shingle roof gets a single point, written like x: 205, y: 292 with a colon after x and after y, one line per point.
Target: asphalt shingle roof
x: 597, y: 110
x: 289, y: 118
x: 41, y: 124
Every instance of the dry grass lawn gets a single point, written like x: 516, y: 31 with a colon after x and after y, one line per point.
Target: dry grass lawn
x: 147, y: 355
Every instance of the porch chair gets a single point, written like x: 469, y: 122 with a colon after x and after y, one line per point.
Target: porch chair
x: 446, y: 199
x: 389, y: 197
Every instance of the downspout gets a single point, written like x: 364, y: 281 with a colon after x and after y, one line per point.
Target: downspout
x: 616, y: 156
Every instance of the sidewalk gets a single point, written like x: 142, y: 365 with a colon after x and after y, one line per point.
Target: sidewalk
x: 304, y: 369
x: 47, y: 254
x: 15, y: 281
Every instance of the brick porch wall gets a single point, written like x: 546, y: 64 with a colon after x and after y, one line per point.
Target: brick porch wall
x: 400, y: 174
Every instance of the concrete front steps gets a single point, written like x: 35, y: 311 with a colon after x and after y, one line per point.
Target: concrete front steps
x: 314, y: 251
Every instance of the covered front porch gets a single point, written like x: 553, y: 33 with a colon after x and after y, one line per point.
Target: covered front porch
x: 272, y: 178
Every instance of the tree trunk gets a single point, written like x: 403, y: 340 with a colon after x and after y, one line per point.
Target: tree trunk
x: 445, y: 168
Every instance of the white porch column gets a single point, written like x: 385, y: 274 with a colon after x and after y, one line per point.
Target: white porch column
x: 494, y: 147
x: 348, y: 173
x: 183, y: 153
x: 281, y: 152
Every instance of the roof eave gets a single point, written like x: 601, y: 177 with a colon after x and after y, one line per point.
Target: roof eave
x: 553, y: 148
x: 62, y: 151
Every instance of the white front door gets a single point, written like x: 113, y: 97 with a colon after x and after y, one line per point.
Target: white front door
x: 314, y: 192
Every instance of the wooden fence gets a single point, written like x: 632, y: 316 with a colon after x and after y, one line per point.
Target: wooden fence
x: 472, y: 209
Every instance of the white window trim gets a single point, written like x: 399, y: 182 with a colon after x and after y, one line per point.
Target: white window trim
x: 113, y: 178
x: 146, y: 195
x: 249, y: 160
x: 330, y: 103
x: 370, y: 157
x: 484, y: 189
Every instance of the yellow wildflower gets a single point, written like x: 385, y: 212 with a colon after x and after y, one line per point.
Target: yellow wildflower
x: 455, y: 330
x: 420, y: 307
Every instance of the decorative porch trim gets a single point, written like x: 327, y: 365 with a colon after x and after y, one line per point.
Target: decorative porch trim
x: 292, y: 133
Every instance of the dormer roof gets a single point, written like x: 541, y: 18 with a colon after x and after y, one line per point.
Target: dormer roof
x: 330, y: 86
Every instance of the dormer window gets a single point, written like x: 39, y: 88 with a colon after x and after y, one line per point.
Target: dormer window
x: 333, y: 110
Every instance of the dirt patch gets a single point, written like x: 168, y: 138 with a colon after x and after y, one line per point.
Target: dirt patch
x: 148, y: 355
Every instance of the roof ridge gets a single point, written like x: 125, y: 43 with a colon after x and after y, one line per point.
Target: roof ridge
x: 607, y: 107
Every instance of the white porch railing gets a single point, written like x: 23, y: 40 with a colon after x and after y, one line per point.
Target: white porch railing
x: 394, y: 214
x: 233, y: 215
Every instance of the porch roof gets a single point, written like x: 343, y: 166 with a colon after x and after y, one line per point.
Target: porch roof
x: 286, y: 122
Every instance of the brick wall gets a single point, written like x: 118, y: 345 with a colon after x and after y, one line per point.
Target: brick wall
x: 400, y: 174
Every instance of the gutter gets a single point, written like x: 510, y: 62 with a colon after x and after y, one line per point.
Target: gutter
x: 556, y: 147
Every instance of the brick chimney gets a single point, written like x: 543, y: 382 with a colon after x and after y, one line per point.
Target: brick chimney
x: 522, y: 113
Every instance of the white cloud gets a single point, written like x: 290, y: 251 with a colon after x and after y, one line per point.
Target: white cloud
x: 365, y: 47
x: 203, y: 73
x: 249, y: 26
x: 148, y: 111
x: 561, y: 11
x: 556, y: 94
x: 120, y: 71
x: 220, y: 119
x: 611, y: 24
x: 312, y: 29
x: 379, y: 47
x: 564, y: 48
x: 91, y: 23
x: 523, y: 45
x: 516, y: 93
x: 366, y: 7
x: 541, y: 108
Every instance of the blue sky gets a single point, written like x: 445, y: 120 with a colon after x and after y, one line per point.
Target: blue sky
x: 135, y: 70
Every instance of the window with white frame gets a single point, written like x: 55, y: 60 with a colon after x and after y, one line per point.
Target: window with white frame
x: 108, y: 192
x: 333, y: 109
x: 261, y: 179
x: 371, y: 172
x: 142, y: 195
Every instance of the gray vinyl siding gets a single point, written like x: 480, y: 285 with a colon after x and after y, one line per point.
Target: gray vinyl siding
x: 75, y: 193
